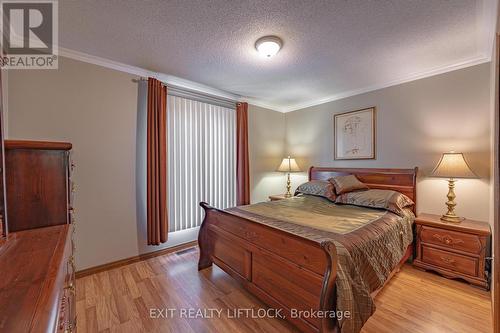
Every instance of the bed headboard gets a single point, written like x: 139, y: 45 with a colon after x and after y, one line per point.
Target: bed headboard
x: 401, y: 180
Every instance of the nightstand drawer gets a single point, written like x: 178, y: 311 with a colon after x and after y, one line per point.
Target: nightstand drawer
x: 454, y: 262
x: 456, y: 250
x: 451, y: 239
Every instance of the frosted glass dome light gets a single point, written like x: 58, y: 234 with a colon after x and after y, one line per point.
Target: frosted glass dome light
x: 268, y: 46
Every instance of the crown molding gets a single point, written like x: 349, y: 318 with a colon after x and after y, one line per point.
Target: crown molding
x: 187, y: 84
x: 415, y: 76
x: 488, y: 17
x: 169, y: 79
x: 134, y: 70
x: 262, y: 104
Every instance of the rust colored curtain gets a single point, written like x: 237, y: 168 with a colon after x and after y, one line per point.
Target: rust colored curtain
x: 242, y: 164
x: 157, y: 163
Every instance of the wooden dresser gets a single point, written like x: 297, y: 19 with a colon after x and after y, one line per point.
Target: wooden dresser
x: 37, y: 266
x: 38, y: 183
x: 455, y: 250
x: 37, y: 288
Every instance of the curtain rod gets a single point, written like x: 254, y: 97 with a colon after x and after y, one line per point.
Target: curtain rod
x: 191, y: 93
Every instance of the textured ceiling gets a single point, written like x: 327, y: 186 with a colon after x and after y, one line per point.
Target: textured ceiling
x: 330, y: 48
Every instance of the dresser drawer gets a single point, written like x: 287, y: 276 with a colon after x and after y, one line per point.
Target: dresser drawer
x: 451, y: 239
x: 451, y: 261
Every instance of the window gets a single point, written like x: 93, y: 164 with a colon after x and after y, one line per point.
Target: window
x: 201, y: 159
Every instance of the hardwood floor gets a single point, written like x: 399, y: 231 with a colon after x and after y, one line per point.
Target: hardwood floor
x: 120, y: 300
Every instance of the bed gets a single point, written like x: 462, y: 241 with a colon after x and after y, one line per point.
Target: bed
x: 294, y: 267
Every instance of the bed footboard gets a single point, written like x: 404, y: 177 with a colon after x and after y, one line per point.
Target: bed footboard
x: 285, y: 271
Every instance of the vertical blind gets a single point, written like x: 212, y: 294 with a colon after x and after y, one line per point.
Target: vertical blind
x: 201, y: 159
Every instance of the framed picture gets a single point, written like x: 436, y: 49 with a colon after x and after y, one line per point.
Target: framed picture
x: 354, y: 134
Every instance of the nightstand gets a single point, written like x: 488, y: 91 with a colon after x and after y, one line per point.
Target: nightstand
x: 277, y: 197
x: 455, y: 250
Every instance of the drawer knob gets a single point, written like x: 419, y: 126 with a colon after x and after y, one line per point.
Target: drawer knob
x: 71, y: 288
x: 448, y: 260
x: 250, y: 235
x: 71, y: 261
x: 69, y: 328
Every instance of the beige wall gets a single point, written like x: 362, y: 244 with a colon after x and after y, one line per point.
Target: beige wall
x: 267, y: 147
x: 416, y: 121
x: 97, y: 110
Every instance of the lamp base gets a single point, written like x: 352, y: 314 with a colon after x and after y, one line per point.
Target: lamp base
x: 450, y: 215
x: 452, y: 218
x: 288, y: 193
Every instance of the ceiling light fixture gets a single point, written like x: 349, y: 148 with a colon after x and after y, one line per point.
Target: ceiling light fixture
x: 268, y: 46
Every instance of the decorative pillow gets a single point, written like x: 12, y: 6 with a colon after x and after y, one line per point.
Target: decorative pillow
x: 344, y: 184
x: 393, y: 201
x: 320, y: 188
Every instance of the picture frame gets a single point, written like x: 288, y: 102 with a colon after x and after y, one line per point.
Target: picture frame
x: 354, y: 134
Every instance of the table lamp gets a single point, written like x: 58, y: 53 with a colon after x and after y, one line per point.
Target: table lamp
x: 288, y: 165
x: 452, y: 165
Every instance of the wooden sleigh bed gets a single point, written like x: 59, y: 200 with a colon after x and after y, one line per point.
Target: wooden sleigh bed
x: 284, y: 270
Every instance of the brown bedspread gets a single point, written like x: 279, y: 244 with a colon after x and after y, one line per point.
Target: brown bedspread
x: 370, y: 243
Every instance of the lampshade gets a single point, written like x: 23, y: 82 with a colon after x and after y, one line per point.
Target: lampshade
x: 453, y: 165
x: 288, y: 165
